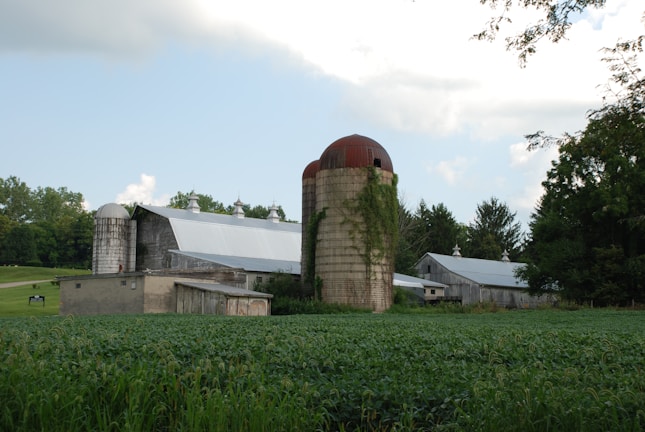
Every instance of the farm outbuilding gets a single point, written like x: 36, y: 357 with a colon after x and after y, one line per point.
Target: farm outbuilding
x: 426, y: 291
x: 478, y: 280
x: 157, y: 292
x: 218, y: 299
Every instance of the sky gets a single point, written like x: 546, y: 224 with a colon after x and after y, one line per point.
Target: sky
x: 136, y: 100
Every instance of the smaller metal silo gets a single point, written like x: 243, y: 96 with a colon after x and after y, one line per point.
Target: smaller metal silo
x: 114, y: 248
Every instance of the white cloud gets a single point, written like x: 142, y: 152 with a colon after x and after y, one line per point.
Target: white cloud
x: 519, y: 154
x: 142, y: 193
x: 410, y: 65
x: 452, y: 171
x: 532, y: 167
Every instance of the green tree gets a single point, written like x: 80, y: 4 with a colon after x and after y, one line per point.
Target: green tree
x: 588, y: 232
x: 494, y: 231
x: 20, y: 246
x: 42, y: 226
x: 556, y: 19
x: 206, y: 202
x: 436, y: 229
x: 49, y: 204
x: 15, y: 199
x: 261, y: 212
x: 443, y: 230
x: 428, y: 229
x: 408, y: 249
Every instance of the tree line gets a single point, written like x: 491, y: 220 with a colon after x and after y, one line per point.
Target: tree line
x: 43, y: 226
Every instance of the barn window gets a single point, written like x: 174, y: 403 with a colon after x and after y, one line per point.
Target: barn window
x: 377, y: 162
x: 78, y: 285
x: 429, y: 271
x: 259, y: 279
x: 123, y: 283
x: 432, y: 291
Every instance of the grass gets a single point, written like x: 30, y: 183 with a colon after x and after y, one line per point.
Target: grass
x: 23, y: 273
x: 517, y: 371
x: 15, y: 301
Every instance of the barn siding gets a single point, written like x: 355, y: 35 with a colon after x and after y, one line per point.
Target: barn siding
x: 471, y: 292
x: 155, y: 238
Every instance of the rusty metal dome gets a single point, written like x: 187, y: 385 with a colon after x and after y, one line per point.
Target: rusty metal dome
x: 355, y: 151
x: 311, y: 170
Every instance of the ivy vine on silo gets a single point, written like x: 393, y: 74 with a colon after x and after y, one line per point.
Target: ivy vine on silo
x: 377, y: 204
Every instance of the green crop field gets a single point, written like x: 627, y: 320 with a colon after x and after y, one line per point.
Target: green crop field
x: 515, y: 371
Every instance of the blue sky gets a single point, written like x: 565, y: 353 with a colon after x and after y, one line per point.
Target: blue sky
x: 136, y: 100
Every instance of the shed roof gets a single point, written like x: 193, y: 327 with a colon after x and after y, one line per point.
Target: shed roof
x: 402, y: 280
x: 225, y: 289
x: 481, y: 271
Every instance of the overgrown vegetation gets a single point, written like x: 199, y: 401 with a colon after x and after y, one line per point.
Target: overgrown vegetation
x: 517, y: 371
x: 376, y: 233
x: 288, y: 298
x: 309, y: 277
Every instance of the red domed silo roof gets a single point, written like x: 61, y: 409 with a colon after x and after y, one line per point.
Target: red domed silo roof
x: 311, y: 170
x: 355, y: 151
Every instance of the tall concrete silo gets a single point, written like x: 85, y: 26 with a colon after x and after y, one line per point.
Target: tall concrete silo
x: 308, y: 209
x: 354, y: 257
x: 114, y: 248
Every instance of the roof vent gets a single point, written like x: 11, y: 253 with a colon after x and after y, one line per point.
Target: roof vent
x: 239, y: 211
x: 455, y: 251
x: 505, y: 257
x: 192, y: 203
x: 273, y: 214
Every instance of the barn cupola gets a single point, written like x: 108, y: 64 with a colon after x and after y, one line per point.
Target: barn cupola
x: 505, y: 257
x: 273, y: 214
x: 192, y: 203
x: 239, y: 211
x: 455, y: 251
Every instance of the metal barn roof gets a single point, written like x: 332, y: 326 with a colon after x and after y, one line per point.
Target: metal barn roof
x: 226, y: 235
x: 226, y: 289
x: 483, y: 272
x: 248, y: 264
